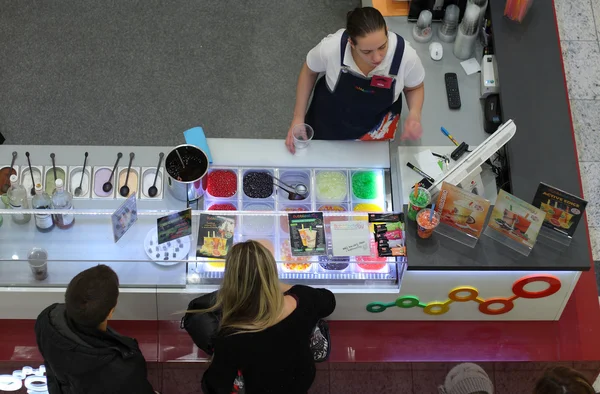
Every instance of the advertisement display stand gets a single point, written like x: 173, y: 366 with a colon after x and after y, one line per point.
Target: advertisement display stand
x: 563, y: 211
x: 554, y: 239
x: 498, y: 236
x: 515, y: 223
x: 462, y: 214
x: 456, y: 235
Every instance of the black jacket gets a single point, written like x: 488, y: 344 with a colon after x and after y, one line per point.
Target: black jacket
x: 88, y: 361
x: 202, y: 327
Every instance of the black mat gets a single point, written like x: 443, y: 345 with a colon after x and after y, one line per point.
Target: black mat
x: 142, y: 72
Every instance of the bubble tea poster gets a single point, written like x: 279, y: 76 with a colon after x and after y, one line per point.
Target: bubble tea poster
x: 462, y: 210
x: 516, y: 219
x: 563, y: 210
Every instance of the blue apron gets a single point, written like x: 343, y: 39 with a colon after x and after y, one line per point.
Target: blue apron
x: 354, y: 108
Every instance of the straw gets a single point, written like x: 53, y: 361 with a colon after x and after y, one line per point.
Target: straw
x: 526, y: 216
x: 431, y: 212
x: 416, y: 189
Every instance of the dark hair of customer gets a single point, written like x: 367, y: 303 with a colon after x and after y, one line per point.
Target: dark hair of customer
x: 362, y: 21
x: 91, y: 295
x: 563, y: 380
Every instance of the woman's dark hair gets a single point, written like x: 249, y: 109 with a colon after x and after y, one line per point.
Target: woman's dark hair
x: 560, y: 380
x: 91, y: 295
x: 362, y: 21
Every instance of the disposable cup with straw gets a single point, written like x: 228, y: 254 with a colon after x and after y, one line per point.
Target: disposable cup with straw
x: 417, y: 200
x: 427, y: 221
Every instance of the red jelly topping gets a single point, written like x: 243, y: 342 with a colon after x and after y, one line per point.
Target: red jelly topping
x: 222, y: 207
x: 221, y: 183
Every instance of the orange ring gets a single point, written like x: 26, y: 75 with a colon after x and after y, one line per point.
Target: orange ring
x: 484, y: 307
x: 473, y: 294
x: 519, y: 286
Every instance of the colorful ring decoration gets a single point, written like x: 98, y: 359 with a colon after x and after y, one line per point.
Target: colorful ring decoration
x: 469, y: 293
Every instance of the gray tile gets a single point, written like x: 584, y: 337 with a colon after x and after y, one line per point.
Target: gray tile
x: 596, y: 9
x: 581, y: 60
x: 595, y: 242
x: 575, y: 20
x: 591, y: 191
x: 586, y: 122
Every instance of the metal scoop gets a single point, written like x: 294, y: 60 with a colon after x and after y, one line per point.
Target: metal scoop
x: 300, y: 188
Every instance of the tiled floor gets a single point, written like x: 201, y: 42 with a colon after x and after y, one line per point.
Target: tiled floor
x: 363, y: 378
x: 579, y: 28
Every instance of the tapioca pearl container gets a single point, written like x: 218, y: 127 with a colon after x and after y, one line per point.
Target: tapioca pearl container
x: 184, y: 180
x: 221, y: 183
x: 331, y: 186
x: 256, y: 185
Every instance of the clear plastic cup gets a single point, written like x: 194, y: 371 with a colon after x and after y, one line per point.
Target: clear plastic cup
x: 415, y: 204
x: 38, y: 262
x: 303, y: 134
x: 425, y: 227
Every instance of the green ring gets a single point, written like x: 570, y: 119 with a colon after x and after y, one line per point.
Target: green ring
x: 412, y: 301
x: 376, y: 307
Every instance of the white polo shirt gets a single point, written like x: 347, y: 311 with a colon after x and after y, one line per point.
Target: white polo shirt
x: 325, y: 58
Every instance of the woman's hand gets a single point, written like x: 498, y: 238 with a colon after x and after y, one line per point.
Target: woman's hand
x: 412, y: 129
x: 289, y: 141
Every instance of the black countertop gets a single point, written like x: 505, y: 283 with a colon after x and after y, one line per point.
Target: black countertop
x: 533, y: 93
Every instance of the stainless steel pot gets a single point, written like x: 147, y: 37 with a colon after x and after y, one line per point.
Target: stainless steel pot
x: 185, y: 172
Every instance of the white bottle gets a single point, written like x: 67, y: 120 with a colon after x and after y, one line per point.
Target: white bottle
x: 61, y: 199
x: 41, y: 201
x: 17, y: 199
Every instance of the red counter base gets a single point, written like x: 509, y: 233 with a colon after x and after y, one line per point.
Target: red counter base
x: 376, y: 357
x: 576, y: 337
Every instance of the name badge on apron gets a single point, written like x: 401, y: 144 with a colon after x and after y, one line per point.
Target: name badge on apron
x: 381, y: 81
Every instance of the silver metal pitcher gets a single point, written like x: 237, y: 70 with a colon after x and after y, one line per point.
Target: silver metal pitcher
x: 186, y: 165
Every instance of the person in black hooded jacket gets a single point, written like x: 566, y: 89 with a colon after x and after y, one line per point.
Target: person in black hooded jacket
x: 81, y: 353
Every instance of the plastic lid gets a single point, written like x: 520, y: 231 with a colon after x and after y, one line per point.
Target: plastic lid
x: 38, y: 187
x: 58, y: 183
x: 13, y: 178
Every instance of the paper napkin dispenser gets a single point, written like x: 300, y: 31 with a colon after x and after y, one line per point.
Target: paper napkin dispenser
x: 492, y: 118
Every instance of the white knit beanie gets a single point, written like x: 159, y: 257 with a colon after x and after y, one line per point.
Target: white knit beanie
x: 467, y: 378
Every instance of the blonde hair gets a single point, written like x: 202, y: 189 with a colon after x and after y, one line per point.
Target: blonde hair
x: 563, y: 380
x: 250, y: 297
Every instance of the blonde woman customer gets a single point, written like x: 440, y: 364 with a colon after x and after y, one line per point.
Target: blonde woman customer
x: 265, y: 327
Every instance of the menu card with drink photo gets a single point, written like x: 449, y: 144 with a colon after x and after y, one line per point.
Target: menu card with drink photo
x: 307, y: 234
x: 215, y: 235
x: 516, y: 219
x: 563, y: 210
x: 462, y: 210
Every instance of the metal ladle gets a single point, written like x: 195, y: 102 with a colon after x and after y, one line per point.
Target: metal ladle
x: 180, y: 159
x: 107, y: 187
x: 31, y: 173
x: 300, y: 188
x: 52, y: 155
x: 153, y: 191
x: 124, y: 190
x: 291, y: 194
x: 6, y: 186
x: 78, y: 190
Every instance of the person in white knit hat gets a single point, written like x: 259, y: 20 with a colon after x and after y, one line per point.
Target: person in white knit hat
x: 467, y: 378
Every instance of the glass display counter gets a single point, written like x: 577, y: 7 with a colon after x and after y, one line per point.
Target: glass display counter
x: 140, y: 261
